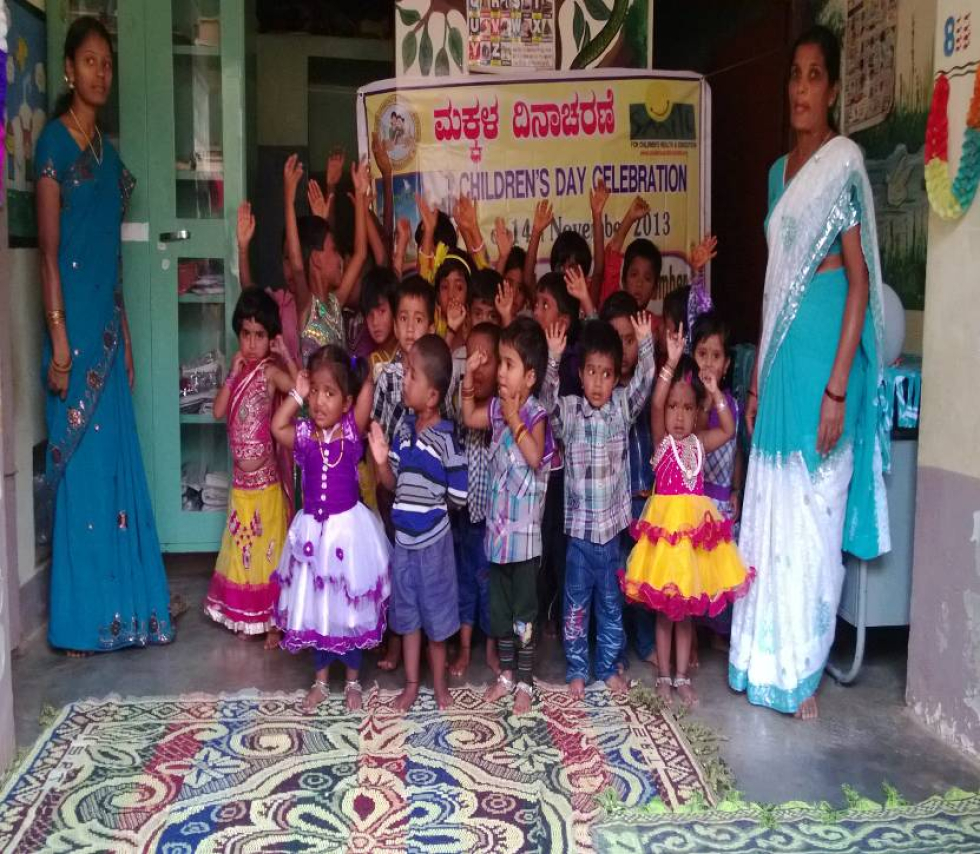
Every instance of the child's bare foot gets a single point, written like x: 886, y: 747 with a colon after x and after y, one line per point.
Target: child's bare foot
x: 685, y: 690
x: 499, y: 689
x: 444, y: 699
x: 617, y: 684
x: 352, y: 693
x: 406, y: 699
x: 808, y: 710
x: 576, y: 688
x: 459, y: 667
x: 272, y: 638
x: 493, y: 659
x: 77, y: 653
x: 664, y: 686
x: 522, y: 699
x: 319, y: 691
x: 392, y: 659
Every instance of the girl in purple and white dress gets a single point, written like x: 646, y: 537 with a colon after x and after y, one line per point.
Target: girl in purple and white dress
x: 333, y: 576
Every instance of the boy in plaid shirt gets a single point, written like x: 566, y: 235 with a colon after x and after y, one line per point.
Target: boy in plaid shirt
x: 595, y: 428
x: 521, y: 448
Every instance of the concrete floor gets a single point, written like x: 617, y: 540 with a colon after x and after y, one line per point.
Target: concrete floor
x: 864, y: 736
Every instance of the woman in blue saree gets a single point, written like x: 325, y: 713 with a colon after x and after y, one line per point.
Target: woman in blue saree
x: 108, y: 585
x: 814, y: 483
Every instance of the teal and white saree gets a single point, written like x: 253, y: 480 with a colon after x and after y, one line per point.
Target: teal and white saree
x: 801, y: 509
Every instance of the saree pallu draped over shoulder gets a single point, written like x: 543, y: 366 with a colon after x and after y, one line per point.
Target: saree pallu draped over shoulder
x: 801, y: 509
x: 108, y: 585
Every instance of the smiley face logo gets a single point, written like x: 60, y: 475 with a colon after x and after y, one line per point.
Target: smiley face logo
x: 658, y: 101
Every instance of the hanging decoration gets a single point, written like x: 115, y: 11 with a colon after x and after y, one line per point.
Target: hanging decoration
x: 951, y: 198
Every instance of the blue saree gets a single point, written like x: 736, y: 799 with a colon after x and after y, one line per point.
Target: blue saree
x: 108, y: 585
x: 801, y: 509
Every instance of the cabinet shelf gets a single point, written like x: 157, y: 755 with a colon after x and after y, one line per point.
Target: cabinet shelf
x: 198, y: 175
x: 207, y: 299
x: 197, y: 418
x: 196, y: 50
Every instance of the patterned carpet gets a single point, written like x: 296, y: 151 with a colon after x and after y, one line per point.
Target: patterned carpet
x: 252, y: 773
x: 943, y: 824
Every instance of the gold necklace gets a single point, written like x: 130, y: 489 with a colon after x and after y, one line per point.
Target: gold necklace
x: 88, y: 139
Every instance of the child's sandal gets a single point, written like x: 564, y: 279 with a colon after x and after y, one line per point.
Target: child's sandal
x: 353, y: 685
x: 507, y: 682
x: 322, y: 687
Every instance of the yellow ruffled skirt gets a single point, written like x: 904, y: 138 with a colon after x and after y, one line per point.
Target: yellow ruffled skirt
x: 242, y: 594
x: 685, y: 563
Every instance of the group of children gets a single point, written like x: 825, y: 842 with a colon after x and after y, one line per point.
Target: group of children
x: 475, y: 448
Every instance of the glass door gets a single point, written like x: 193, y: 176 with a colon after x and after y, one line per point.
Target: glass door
x: 196, y: 106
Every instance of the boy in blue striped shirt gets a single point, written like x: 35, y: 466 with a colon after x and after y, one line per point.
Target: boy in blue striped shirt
x: 426, y: 468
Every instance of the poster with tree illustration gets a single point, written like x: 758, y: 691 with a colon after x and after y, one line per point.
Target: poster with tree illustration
x: 448, y: 38
x: 893, y: 38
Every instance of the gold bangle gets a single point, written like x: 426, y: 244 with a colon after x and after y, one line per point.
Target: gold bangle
x: 56, y: 316
x: 62, y: 369
x: 521, y: 433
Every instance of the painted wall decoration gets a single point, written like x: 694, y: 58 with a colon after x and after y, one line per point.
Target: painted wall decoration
x: 507, y: 144
x: 958, y: 63
x: 450, y: 38
x: 893, y: 143
x: 26, y: 79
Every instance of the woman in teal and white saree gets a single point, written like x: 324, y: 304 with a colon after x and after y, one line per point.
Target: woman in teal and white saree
x: 814, y: 484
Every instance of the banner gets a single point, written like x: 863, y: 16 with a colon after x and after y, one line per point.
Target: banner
x: 509, y: 142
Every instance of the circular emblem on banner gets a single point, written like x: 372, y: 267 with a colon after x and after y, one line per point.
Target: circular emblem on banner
x: 658, y: 102
x: 397, y: 126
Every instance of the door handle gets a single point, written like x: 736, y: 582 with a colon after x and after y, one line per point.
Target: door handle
x: 174, y: 236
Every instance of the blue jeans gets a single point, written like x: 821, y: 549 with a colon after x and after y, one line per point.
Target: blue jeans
x: 592, y: 582
x: 640, y: 622
x: 472, y: 572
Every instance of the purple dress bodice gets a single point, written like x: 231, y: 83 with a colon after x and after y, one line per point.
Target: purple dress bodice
x: 328, y: 470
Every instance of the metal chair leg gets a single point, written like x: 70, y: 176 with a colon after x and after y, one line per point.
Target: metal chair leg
x: 862, y: 608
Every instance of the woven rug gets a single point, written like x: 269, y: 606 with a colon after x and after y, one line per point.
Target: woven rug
x: 943, y: 824
x: 253, y: 773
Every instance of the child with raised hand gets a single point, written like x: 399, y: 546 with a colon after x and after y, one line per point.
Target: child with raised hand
x: 684, y: 305
x: 333, y: 575
x: 555, y: 305
x: 684, y: 564
x: 570, y: 248
x: 452, y: 284
x: 427, y: 471
x: 638, y: 271
x: 619, y: 311
x: 285, y: 297
x: 510, y: 264
x: 485, y: 286
x: 324, y: 283
x: 469, y: 528
x: 377, y: 305
x: 595, y: 430
x: 521, y: 449
x: 242, y: 593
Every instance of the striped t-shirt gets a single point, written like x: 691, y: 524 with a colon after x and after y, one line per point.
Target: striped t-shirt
x: 430, y: 472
